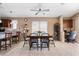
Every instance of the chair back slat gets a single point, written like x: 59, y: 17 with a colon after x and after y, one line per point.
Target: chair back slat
x: 18, y: 33
x: 33, y: 34
x: 8, y: 35
x: 45, y: 34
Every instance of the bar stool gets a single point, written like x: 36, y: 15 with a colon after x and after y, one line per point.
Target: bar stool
x: 8, y: 40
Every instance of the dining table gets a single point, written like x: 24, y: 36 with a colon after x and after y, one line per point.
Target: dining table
x: 39, y: 39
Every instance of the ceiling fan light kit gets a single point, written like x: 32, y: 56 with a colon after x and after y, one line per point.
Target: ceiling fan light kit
x: 37, y: 11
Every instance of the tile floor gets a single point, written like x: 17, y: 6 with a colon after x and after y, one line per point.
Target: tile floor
x: 61, y: 49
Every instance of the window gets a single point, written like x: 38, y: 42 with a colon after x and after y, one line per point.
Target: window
x: 35, y: 26
x: 39, y: 26
x: 14, y: 24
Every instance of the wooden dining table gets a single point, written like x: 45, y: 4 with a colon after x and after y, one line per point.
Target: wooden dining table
x: 39, y: 39
x: 40, y: 36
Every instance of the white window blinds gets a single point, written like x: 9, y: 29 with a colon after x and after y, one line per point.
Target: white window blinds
x: 39, y: 26
x: 14, y: 24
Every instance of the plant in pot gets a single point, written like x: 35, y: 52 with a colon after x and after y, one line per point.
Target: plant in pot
x: 39, y: 33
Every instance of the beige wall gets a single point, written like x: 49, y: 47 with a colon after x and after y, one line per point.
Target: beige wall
x: 76, y: 25
x: 21, y: 24
x: 51, y: 22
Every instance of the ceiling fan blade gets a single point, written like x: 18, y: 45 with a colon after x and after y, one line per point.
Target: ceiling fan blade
x: 46, y: 10
x: 37, y: 13
x: 34, y: 9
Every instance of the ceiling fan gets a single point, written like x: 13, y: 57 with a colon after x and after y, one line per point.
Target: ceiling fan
x: 40, y: 10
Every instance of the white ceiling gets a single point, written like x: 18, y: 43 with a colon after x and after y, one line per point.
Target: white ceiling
x: 23, y: 9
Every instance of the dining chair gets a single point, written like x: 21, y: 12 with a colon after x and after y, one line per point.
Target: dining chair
x: 44, y: 40
x: 8, y: 40
x: 2, y: 37
x: 26, y: 39
x: 18, y: 33
x: 52, y: 40
x: 33, y: 40
x: 16, y: 37
x: 2, y: 43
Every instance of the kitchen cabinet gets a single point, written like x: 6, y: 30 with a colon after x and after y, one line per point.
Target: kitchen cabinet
x: 6, y: 23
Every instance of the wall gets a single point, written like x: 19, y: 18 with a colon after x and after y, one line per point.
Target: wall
x: 21, y: 24
x: 77, y: 28
x: 51, y: 22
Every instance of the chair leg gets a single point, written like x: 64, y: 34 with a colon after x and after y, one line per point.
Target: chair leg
x: 41, y: 46
x: 30, y: 46
x: 10, y: 43
x: 0, y: 45
x: 5, y: 44
x: 24, y: 44
x: 37, y: 45
x: 18, y: 39
x: 48, y: 45
x: 54, y: 44
x: 12, y: 40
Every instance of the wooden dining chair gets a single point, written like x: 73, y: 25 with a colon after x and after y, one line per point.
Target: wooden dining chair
x: 45, y: 40
x: 16, y: 37
x: 2, y: 37
x: 18, y: 33
x: 52, y: 40
x: 8, y: 40
x: 33, y: 40
x: 2, y: 43
x: 26, y: 39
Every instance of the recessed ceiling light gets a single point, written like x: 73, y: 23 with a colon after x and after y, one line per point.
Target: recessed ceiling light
x: 62, y: 3
x: 10, y: 11
x: 0, y: 3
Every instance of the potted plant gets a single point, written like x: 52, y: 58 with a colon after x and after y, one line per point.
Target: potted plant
x: 39, y: 32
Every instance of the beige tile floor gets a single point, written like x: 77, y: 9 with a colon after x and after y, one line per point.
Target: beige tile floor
x: 61, y: 49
